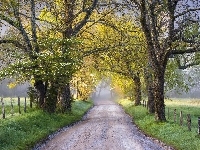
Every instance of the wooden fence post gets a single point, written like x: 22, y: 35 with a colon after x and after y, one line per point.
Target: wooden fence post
x: 147, y: 106
x: 199, y: 125
x: 168, y: 113
x: 189, y: 122
x: 174, y: 115
x: 25, y: 104
x: 37, y: 100
x: 12, y: 109
x: 31, y: 103
x: 143, y: 103
x: 19, y: 105
x: 3, y: 109
x: 181, y: 118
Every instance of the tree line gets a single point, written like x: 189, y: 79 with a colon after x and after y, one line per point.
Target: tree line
x: 139, y: 44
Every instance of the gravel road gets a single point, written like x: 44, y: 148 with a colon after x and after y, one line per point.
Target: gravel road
x: 105, y: 127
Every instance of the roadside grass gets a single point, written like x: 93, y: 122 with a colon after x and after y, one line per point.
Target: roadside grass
x: 24, y: 131
x: 169, y: 132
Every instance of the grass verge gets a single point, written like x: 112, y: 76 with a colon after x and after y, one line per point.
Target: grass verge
x: 24, y: 131
x: 168, y: 132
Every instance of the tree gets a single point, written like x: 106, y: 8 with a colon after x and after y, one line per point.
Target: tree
x: 66, y: 18
x: 162, y: 24
x: 11, y: 13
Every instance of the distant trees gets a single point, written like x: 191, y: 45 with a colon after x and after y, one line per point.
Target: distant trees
x: 126, y: 50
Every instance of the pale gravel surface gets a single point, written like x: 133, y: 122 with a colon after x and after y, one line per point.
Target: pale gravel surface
x: 105, y: 127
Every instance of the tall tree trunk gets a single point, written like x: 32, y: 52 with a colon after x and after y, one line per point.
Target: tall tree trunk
x: 39, y: 85
x: 66, y: 98
x: 51, y: 98
x: 159, y: 94
x: 149, y: 89
x: 137, y: 90
x: 150, y: 102
x: 69, y: 98
x: 69, y: 32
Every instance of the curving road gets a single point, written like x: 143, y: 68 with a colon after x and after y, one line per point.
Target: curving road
x: 105, y: 127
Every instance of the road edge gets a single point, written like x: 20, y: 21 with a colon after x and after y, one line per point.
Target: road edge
x: 42, y: 143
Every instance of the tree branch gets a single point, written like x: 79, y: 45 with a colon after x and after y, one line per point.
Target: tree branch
x: 79, y: 25
x: 94, y: 22
x: 115, y: 71
x: 15, y: 43
x: 185, y: 66
x: 187, y: 11
x: 188, y: 50
x: 38, y: 19
x: 23, y: 31
x: 97, y: 50
x: 33, y: 26
x: 10, y: 21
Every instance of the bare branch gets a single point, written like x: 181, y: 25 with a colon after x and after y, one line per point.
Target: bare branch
x: 186, y: 11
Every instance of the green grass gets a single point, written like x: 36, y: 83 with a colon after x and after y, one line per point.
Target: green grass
x: 8, y: 109
x: 169, y: 132
x: 191, y: 107
x: 24, y: 131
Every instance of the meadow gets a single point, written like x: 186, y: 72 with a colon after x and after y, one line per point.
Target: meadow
x: 169, y: 132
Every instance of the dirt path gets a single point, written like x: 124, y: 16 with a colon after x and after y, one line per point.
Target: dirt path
x: 105, y: 127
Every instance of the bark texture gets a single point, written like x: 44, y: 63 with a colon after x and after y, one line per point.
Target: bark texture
x: 150, y: 90
x: 39, y: 86
x: 65, y: 98
x: 51, y: 98
x: 150, y: 102
x: 159, y: 96
x: 137, y: 90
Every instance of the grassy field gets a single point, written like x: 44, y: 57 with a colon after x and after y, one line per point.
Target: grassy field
x: 23, y: 131
x: 187, y: 106
x: 169, y: 132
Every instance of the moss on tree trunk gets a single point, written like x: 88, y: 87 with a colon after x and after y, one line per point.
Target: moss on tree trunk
x: 137, y: 90
x: 66, y: 98
x: 51, y: 99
